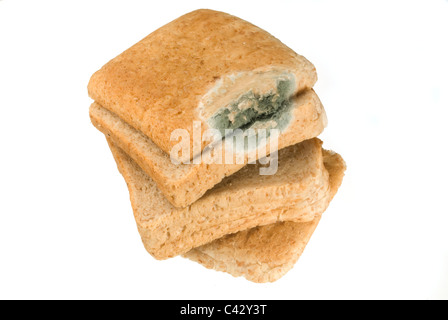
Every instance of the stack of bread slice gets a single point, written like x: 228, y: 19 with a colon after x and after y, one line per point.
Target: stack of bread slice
x: 208, y: 71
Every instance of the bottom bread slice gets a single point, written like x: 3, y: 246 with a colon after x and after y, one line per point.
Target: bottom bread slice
x: 266, y: 253
x: 261, y: 254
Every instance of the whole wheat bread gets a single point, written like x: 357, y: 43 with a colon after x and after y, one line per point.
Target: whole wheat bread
x: 192, y: 69
x: 183, y: 184
x: 241, y: 201
x: 266, y: 253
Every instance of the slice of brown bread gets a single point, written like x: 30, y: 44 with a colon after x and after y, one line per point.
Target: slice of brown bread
x: 183, y: 184
x: 199, y: 67
x: 266, y: 253
x: 241, y: 201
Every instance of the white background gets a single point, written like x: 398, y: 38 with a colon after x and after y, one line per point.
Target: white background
x: 66, y: 225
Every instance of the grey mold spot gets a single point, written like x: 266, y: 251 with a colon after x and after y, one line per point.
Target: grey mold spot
x: 270, y: 111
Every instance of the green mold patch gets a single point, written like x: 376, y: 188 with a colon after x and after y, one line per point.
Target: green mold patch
x: 254, y: 111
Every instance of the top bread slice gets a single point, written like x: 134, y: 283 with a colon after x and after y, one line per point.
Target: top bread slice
x: 183, y: 184
x: 206, y: 66
x: 266, y: 253
x: 241, y: 201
